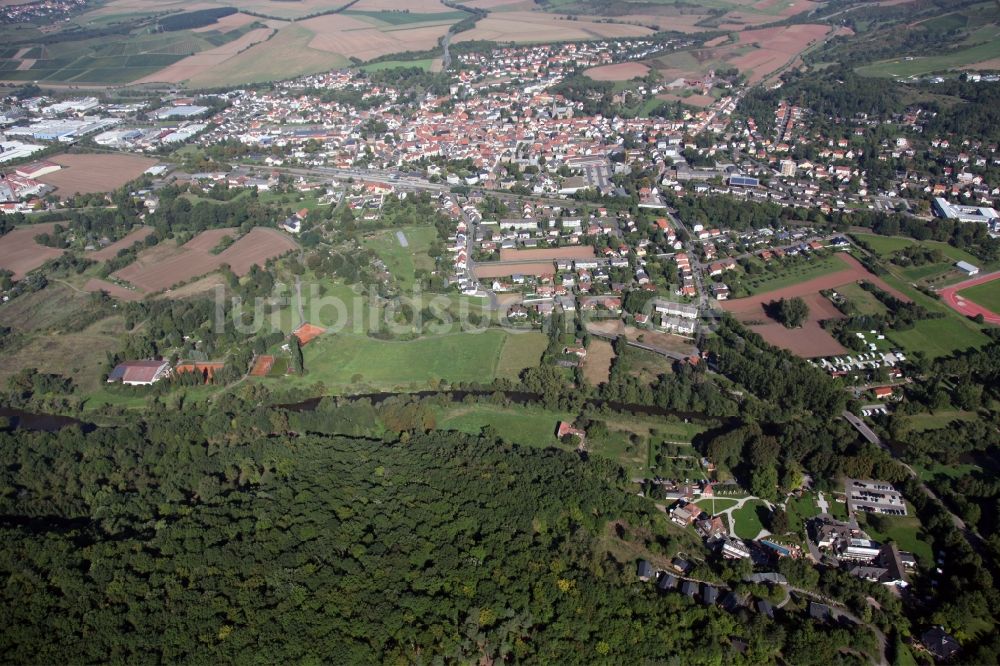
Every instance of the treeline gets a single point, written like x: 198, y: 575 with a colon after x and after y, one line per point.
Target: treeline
x: 195, y: 19
x: 469, y: 22
x: 730, y: 213
x: 786, y: 381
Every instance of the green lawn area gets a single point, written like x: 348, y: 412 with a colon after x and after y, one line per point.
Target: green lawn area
x: 838, y: 510
x: 293, y: 200
x: 520, y: 351
x: 536, y: 426
x: 619, y: 446
x: 530, y: 426
x: 401, y: 261
x: 424, y: 64
x: 928, y: 273
x: 321, y: 305
x: 748, y: 520
x: 799, y: 510
x: 106, y: 397
x: 986, y: 294
x: 950, y: 471
x: 714, y: 506
x: 122, y: 396
x: 904, y: 530
x: 862, y: 300
x: 939, y: 337
x: 794, y: 274
x: 935, y: 337
x: 348, y: 362
x: 941, y: 419
x: 884, y: 245
x: 657, y: 430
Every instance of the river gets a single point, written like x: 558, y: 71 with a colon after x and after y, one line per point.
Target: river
x: 20, y: 419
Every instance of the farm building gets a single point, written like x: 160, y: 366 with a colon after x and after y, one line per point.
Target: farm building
x: 139, y: 373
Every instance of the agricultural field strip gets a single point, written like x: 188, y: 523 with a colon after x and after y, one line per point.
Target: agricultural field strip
x: 195, y: 259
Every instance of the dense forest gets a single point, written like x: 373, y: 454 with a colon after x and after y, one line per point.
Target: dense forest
x: 178, y: 539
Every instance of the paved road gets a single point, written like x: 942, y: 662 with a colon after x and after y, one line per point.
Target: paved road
x: 862, y: 427
x: 973, y: 537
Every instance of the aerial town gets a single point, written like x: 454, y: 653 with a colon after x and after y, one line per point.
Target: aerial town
x: 614, y: 345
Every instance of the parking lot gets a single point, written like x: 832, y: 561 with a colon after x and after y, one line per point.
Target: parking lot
x: 874, y: 497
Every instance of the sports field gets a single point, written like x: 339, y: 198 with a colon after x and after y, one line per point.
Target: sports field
x: 986, y: 294
x: 978, y: 296
x: 934, y: 337
x: 343, y: 361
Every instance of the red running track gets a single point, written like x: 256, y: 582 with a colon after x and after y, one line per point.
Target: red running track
x: 963, y: 305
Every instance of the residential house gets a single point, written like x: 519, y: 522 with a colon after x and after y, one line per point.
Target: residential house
x: 644, y: 570
x: 820, y: 612
x: 684, y: 514
x: 940, y: 644
x: 667, y: 582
